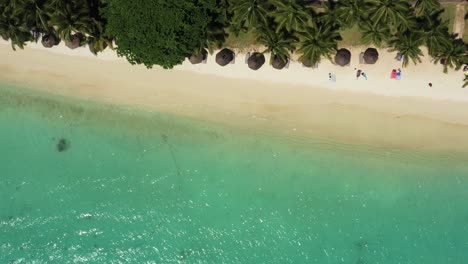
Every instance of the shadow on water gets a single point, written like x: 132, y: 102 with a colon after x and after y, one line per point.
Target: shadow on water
x: 184, y: 254
x: 360, y: 261
x: 361, y: 247
x: 62, y: 145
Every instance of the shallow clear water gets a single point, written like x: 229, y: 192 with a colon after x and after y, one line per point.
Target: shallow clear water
x: 151, y: 188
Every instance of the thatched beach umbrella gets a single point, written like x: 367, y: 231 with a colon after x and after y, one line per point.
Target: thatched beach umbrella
x: 198, y: 58
x: 343, y: 57
x: 307, y: 63
x: 256, y: 61
x: 75, y: 41
x: 50, y: 40
x: 278, y: 63
x: 224, y: 57
x: 371, y: 56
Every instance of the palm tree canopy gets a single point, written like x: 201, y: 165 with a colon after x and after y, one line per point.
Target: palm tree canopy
x: 277, y: 43
x: 70, y: 17
x: 455, y: 56
x: 435, y: 34
x: 426, y: 7
x: 375, y: 34
x: 316, y: 43
x: 249, y: 13
x: 408, y: 45
x: 349, y: 12
x: 291, y: 15
x: 13, y: 25
x: 394, y: 13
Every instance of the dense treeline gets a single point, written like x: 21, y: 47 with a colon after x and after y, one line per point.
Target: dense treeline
x: 77, y: 22
x: 165, y: 32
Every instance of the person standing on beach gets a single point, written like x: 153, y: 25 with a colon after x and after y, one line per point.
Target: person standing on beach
x: 364, y: 75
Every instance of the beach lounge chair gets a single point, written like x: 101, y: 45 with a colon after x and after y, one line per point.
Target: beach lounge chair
x: 399, y: 56
x: 234, y: 59
x: 398, y: 76
x: 287, y: 64
x: 361, y: 58
x: 247, y: 56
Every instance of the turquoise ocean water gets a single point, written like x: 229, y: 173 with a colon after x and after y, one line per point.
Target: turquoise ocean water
x: 151, y: 188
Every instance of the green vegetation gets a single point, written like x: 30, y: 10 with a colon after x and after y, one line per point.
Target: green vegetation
x: 161, y: 32
x: 242, y: 41
x: 449, y: 14
x: 22, y: 21
x: 165, y: 32
x: 353, y: 36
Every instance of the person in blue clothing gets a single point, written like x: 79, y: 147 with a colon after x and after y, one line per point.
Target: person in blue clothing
x: 364, y: 75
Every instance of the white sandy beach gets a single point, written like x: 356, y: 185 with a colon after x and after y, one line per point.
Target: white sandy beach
x: 294, y: 100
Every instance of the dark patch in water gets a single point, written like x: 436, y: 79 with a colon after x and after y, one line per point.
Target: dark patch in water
x: 361, y: 245
x: 10, y: 217
x: 185, y: 253
x: 360, y: 261
x: 63, y: 145
x: 165, y: 140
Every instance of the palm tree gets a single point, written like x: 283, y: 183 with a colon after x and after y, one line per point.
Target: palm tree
x: 318, y: 42
x: 455, y: 56
x: 426, y: 7
x: 249, y: 13
x: 407, y: 44
x: 70, y: 17
x: 435, y: 34
x: 36, y: 16
x: 215, y: 34
x: 349, y: 12
x: 291, y: 15
x: 374, y: 34
x: 395, y: 13
x: 327, y: 16
x: 279, y: 44
x: 13, y: 25
x: 97, y: 40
